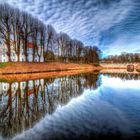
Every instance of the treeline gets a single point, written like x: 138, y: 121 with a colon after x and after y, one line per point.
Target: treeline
x: 31, y: 38
x: 124, y: 76
x: 123, y: 58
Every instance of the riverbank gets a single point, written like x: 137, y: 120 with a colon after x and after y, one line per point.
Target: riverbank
x: 44, y: 75
x: 118, y: 71
x: 30, y: 68
x: 118, y: 65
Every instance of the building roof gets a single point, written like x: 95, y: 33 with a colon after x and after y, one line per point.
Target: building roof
x: 30, y: 45
x: 31, y: 91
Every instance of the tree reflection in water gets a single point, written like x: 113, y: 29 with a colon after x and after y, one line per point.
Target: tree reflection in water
x: 124, y: 76
x: 22, y: 104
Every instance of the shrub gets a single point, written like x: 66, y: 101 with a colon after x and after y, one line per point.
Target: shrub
x: 138, y: 68
x: 96, y: 64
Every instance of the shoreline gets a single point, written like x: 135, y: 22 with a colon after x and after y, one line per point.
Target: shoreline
x: 31, y: 71
x: 32, y: 68
x: 117, y: 65
x: 34, y: 76
x: 118, y: 71
x: 24, y: 71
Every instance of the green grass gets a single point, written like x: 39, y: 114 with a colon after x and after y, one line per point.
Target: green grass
x: 3, y: 80
x: 3, y: 64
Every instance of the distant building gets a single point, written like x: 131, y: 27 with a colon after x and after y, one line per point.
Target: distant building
x: 14, y: 55
x: 3, y: 50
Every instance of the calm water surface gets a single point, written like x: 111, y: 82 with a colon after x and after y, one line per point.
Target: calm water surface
x: 71, y: 107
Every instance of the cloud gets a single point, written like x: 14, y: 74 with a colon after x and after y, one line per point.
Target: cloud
x: 87, y: 20
x: 123, y: 43
x: 69, y: 121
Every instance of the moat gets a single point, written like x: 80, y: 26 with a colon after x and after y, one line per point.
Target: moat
x: 87, y: 105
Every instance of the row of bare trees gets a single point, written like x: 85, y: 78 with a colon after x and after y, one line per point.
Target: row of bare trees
x: 24, y: 103
x: 29, y: 37
x: 123, y: 58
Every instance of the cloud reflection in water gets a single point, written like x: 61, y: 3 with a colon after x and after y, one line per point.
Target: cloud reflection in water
x: 94, y: 113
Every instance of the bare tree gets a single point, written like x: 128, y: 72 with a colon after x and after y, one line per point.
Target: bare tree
x: 27, y: 36
x: 5, y: 27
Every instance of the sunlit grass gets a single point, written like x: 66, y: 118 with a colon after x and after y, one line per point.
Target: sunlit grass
x: 25, y: 67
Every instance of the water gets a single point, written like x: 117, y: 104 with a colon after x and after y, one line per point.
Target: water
x: 71, y: 107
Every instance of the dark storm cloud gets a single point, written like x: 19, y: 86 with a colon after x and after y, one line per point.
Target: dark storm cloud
x: 108, y: 23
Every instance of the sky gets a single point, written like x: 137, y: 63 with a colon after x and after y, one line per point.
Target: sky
x: 112, y: 25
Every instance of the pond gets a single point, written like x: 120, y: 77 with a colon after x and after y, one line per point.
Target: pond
x: 91, y: 105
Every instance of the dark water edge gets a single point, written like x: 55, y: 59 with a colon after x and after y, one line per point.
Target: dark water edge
x: 92, y: 106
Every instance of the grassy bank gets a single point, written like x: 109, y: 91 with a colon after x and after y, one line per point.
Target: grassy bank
x: 33, y: 76
x: 120, y: 68
x: 29, y: 68
x: 119, y: 65
x: 114, y: 66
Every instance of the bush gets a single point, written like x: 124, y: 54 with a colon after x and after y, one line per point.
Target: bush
x: 130, y: 68
x: 96, y: 64
x: 138, y: 68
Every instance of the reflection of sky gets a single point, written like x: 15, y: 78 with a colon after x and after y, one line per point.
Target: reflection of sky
x: 114, y: 107
x: 111, y: 24
x: 124, y: 95
x: 117, y: 83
